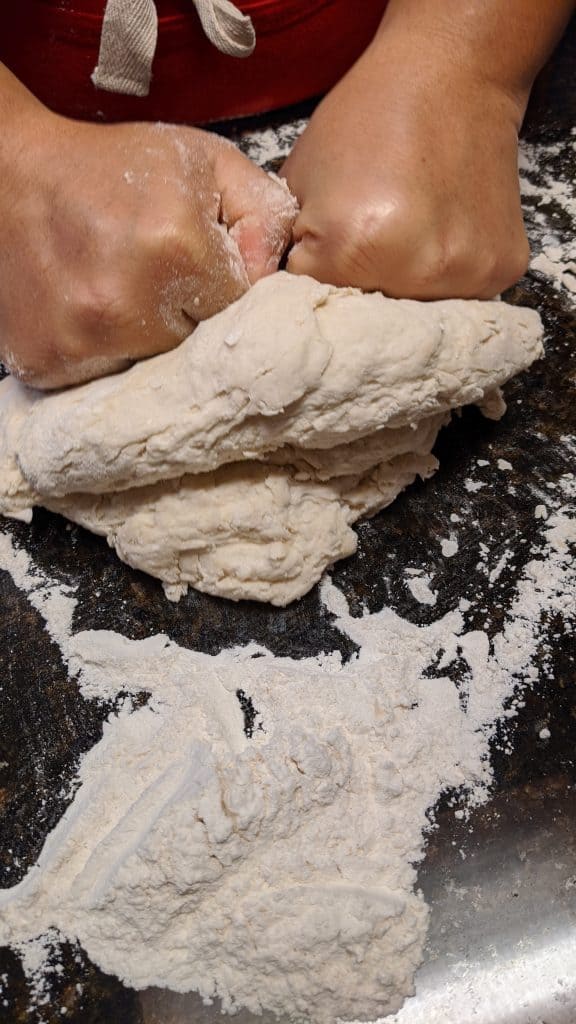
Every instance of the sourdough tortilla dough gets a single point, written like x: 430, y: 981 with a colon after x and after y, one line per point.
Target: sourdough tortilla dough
x: 238, y: 462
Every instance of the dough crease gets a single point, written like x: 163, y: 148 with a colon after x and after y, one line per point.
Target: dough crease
x: 238, y: 462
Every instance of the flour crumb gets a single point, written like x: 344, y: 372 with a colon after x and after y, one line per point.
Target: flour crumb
x: 449, y: 546
x: 497, y: 571
x: 419, y: 587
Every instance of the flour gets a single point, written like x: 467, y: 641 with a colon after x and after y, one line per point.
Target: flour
x: 548, y: 199
x: 472, y: 486
x: 419, y: 586
x: 275, y: 872
x: 449, y: 546
x: 550, y: 262
x: 269, y: 148
x: 504, y: 560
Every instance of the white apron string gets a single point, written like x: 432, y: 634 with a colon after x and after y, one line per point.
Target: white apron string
x: 130, y: 33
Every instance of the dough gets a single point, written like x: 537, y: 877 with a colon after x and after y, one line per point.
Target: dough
x: 294, y: 362
x: 238, y: 462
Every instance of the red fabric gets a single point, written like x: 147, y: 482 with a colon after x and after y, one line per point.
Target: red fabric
x: 303, y: 47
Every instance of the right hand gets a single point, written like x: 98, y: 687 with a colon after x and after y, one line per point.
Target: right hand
x: 116, y: 240
x: 407, y: 174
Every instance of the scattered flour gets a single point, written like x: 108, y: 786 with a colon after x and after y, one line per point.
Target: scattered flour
x: 36, y: 956
x: 548, y: 199
x: 275, y: 871
x: 498, y: 569
x: 270, y: 147
x: 419, y: 586
x: 472, y: 486
x: 550, y: 263
x: 449, y: 546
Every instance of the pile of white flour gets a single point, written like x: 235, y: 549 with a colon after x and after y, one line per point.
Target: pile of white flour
x: 274, y: 872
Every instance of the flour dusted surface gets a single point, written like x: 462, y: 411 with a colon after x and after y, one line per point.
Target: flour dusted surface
x: 275, y: 872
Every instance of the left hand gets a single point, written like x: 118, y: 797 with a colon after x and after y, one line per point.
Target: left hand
x: 407, y: 178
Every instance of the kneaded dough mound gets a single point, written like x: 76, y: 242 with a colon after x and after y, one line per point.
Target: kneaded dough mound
x: 238, y: 462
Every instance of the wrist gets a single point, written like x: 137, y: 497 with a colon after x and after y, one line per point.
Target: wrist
x: 25, y: 121
x: 465, y: 51
x: 443, y: 61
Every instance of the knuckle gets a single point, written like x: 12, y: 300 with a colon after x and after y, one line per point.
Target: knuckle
x: 373, y: 248
x: 100, y: 310
x: 434, y: 266
x: 164, y: 233
x: 362, y: 242
x: 499, y: 269
x: 172, y: 246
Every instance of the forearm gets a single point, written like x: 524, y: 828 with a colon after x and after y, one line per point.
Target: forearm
x: 20, y: 117
x: 500, y: 42
x: 14, y: 98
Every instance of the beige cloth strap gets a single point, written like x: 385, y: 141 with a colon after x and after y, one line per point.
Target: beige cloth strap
x: 227, y: 28
x: 127, y: 47
x: 130, y: 32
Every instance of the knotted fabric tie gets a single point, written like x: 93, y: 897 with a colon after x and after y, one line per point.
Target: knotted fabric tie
x: 130, y: 33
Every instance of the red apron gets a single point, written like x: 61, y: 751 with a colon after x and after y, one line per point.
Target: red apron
x: 302, y: 48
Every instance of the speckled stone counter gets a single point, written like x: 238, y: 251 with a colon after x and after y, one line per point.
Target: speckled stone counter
x: 45, y: 725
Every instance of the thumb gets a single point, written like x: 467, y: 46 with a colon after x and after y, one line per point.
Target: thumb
x: 258, y: 209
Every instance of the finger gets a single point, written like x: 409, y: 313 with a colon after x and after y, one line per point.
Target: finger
x: 309, y: 256
x: 332, y: 259
x: 257, y: 208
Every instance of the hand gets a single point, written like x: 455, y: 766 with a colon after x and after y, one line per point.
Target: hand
x: 115, y: 240
x: 407, y: 179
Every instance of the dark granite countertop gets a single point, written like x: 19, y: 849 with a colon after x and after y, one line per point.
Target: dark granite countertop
x: 45, y: 724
